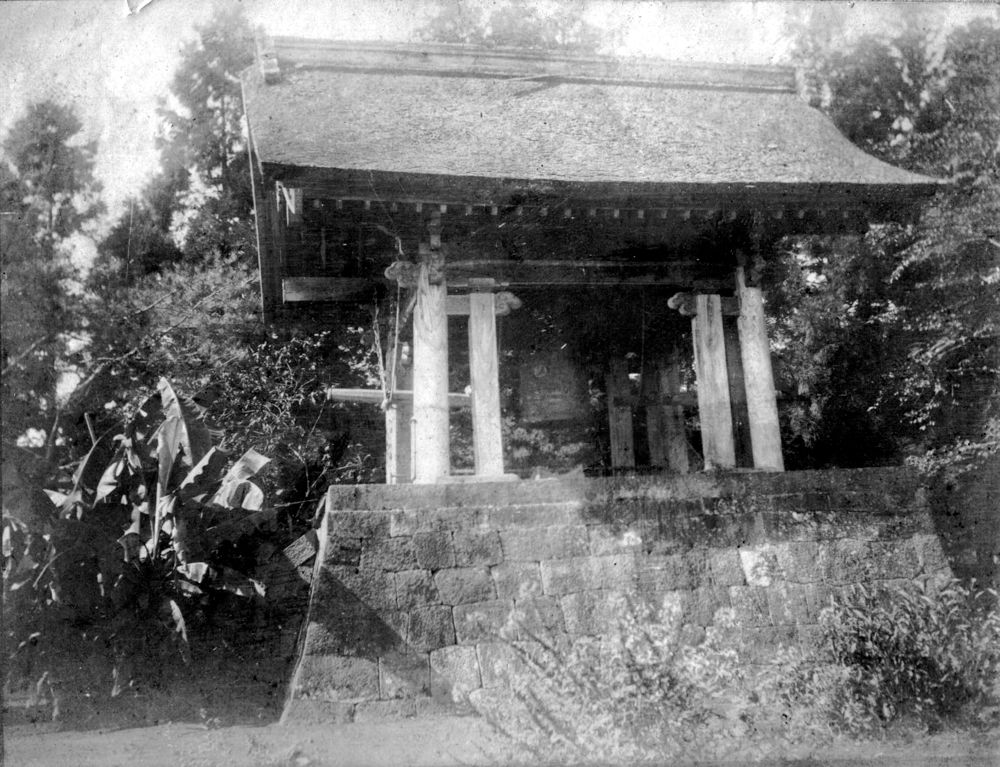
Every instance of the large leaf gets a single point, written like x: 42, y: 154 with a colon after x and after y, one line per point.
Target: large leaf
x: 169, y: 439
x: 241, y: 494
x: 237, y: 491
x: 87, y: 477
x: 195, y: 437
x: 203, y: 476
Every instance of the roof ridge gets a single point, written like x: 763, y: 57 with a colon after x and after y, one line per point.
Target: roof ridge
x: 450, y: 59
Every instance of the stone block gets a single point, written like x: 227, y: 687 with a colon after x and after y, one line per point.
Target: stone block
x: 930, y: 554
x: 404, y: 675
x: 593, y: 613
x: 477, y: 548
x: 817, y: 599
x: 614, y: 571
x: 724, y: 567
x: 434, y: 551
x: 758, y: 646
x: 517, y: 580
x: 454, y: 673
x: 464, y: 585
x: 343, y: 551
x: 749, y: 605
x: 357, y: 524
x: 667, y: 572
x: 536, y: 544
x: 415, y: 588
x: 799, y: 561
x: 537, y: 617
x: 532, y: 515
x: 498, y: 663
x: 566, y: 576
x: 374, y: 588
x: 435, y: 520
x: 788, y: 604
x: 704, y: 602
x: 431, y: 628
x: 484, y: 621
x: 336, y: 678
x: 389, y: 554
x: 603, y: 540
x: 894, y: 559
x: 761, y: 564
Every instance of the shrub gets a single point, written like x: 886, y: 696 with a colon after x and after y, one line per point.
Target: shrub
x: 104, y: 583
x: 915, y: 653
x: 641, y: 694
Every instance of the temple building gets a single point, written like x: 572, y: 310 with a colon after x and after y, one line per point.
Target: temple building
x: 595, y: 227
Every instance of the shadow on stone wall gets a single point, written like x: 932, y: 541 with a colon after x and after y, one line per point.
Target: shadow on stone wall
x: 966, y: 515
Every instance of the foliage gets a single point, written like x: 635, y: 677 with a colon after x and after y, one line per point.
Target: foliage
x: 918, y: 654
x: 641, y: 695
x: 47, y: 196
x: 203, y: 195
x: 142, y: 541
x: 892, y: 339
x: 518, y: 23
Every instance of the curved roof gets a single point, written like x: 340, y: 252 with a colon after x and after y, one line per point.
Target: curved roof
x: 458, y: 112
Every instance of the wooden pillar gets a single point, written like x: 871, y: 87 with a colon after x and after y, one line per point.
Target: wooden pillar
x: 620, y: 417
x: 398, y: 432
x: 737, y: 392
x: 714, y: 406
x: 431, y: 451
x: 484, y: 368
x: 665, y: 420
x: 762, y: 406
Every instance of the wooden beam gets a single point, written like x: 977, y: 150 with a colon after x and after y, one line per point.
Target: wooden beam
x: 458, y: 305
x: 737, y: 393
x: 376, y: 396
x: 432, y: 452
x: 294, y: 289
x: 762, y: 406
x: 399, y: 421
x: 620, y: 417
x: 484, y: 370
x: 714, y: 408
x: 665, y: 418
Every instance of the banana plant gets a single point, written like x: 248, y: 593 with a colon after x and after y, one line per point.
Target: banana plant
x: 143, y: 523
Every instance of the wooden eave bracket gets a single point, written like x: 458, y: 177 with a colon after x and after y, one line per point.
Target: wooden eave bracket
x: 684, y: 304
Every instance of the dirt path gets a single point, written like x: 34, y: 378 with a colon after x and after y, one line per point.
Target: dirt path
x: 446, y: 741
x: 425, y: 742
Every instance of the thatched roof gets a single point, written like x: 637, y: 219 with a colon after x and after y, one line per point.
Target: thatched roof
x: 549, y: 123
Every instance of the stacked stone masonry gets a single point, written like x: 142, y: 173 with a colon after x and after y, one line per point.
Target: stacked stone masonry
x: 423, y: 596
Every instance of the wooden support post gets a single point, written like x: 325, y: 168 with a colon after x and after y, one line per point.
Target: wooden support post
x: 714, y: 408
x: 398, y: 432
x: 620, y: 417
x: 431, y: 456
x: 762, y: 406
x: 665, y: 421
x: 484, y: 368
x: 737, y: 393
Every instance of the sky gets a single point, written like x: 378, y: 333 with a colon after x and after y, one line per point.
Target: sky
x: 112, y: 67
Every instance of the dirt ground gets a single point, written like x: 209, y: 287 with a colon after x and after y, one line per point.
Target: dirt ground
x: 446, y: 741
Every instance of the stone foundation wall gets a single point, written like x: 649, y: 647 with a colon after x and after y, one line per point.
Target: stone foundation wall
x: 420, y: 591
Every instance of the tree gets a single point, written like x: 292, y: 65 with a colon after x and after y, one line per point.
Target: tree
x: 206, y: 182
x: 518, y: 23
x: 897, y: 335
x: 48, y: 195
